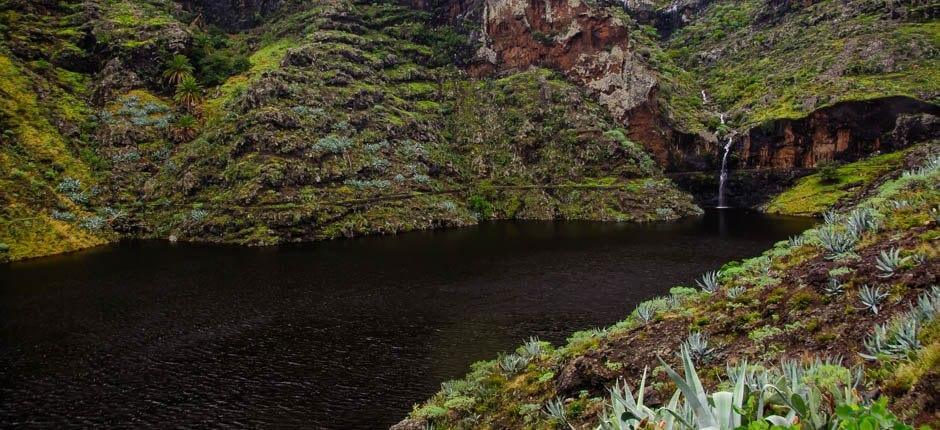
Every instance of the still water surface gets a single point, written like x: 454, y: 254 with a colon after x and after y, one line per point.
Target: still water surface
x: 339, y: 335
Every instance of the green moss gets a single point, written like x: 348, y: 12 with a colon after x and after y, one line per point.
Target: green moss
x: 812, y: 195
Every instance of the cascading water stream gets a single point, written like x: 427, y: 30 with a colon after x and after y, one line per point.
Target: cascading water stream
x: 724, y: 173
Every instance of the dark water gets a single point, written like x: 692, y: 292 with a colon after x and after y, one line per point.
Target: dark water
x: 345, y: 334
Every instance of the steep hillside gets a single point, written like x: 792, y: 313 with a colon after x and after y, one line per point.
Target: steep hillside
x: 330, y: 119
x: 858, y: 292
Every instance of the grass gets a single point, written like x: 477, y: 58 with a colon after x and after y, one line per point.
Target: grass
x: 812, y: 195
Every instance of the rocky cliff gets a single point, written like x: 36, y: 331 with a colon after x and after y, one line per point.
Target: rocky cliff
x: 306, y: 120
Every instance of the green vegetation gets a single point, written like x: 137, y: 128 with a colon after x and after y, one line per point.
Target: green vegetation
x: 764, y: 65
x: 795, y: 300
x: 814, y: 194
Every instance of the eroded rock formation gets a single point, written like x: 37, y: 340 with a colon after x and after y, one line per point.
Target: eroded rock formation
x: 846, y: 132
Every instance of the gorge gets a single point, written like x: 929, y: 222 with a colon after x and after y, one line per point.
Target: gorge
x: 189, y: 190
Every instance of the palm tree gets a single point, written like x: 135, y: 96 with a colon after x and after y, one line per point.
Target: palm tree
x: 177, y: 69
x: 185, y: 128
x: 188, y: 93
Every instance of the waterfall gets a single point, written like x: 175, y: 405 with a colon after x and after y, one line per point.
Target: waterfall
x: 721, y: 116
x: 704, y: 99
x: 724, y: 173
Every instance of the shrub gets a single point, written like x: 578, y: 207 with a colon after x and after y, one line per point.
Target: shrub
x: 829, y: 172
x: 480, y: 206
x: 333, y: 144
x: 93, y: 223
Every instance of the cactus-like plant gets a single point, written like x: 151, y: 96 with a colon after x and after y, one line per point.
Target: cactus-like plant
x: 796, y: 241
x: 872, y: 298
x: 735, y: 292
x: 531, y: 348
x: 928, y: 304
x: 555, y: 409
x: 837, y: 242
x: 697, y: 345
x: 512, y: 364
x: 889, y: 261
x: 861, y: 220
x: 834, y: 288
x: 709, y: 281
x: 645, y: 312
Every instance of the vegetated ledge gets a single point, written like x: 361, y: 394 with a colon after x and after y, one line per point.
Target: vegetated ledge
x: 802, y: 299
x: 773, y: 156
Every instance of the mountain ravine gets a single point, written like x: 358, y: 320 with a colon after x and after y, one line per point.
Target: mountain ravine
x: 268, y: 122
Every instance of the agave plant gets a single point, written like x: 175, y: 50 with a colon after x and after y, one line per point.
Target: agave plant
x: 837, y: 242
x: 555, y: 409
x: 796, y: 241
x: 697, y: 346
x: 709, y: 281
x: 723, y: 412
x: 531, y: 348
x: 735, y: 292
x: 512, y: 364
x: 899, y: 340
x: 928, y: 304
x: 861, y: 220
x: 872, y: 298
x: 831, y: 218
x: 899, y: 204
x: 834, y: 288
x: 645, y: 311
x: 889, y: 261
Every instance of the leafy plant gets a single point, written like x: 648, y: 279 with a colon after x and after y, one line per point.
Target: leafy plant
x: 188, y: 93
x: 709, y: 281
x: 177, y: 69
x: 512, y: 364
x: 697, y: 346
x: 872, y: 417
x: 185, y: 128
x: 532, y: 348
x: 833, y: 288
x: 645, y: 311
x: 735, y: 292
x: 836, y: 241
x: 889, y: 261
x: 872, y: 298
x: 555, y: 409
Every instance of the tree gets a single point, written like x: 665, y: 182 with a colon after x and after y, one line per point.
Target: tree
x: 185, y: 128
x: 188, y: 93
x: 177, y: 69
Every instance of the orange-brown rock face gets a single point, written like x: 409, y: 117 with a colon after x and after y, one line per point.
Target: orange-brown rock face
x: 588, y: 45
x: 846, y: 131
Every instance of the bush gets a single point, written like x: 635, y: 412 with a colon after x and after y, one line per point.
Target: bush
x: 480, y: 206
x: 829, y: 172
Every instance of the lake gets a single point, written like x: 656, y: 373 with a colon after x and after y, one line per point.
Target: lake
x: 346, y: 334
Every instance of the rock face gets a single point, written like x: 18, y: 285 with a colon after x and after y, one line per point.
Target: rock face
x: 233, y: 14
x: 846, y: 132
x: 588, y: 45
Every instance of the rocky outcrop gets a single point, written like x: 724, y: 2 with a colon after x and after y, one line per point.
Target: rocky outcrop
x: 588, y: 45
x: 845, y: 132
x: 232, y: 14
